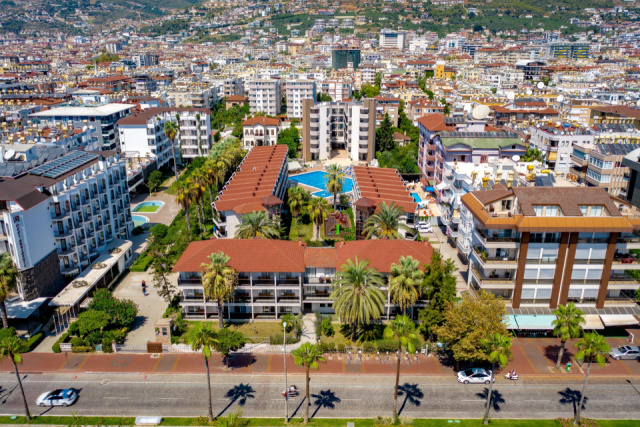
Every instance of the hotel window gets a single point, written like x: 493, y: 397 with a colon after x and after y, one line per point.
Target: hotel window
x: 538, y: 210
x: 551, y: 211
x: 584, y: 210
x: 595, y: 211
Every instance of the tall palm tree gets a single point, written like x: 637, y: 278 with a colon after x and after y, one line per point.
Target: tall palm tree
x: 197, y: 192
x: 402, y: 329
x: 385, y: 222
x: 12, y: 347
x: 298, y: 197
x: 334, y: 179
x: 318, y: 208
x: 184, y: 197
x: 498, y: 349
x: 567, y: 325
x: 8, y: 276
x: 405, y: 282
x: 257, y: 224
x: 203, y: 337
x: 210, y: 178
x: 592, y: 346
x: 219, y: 281
x: 356, y: 295
x: 307, y: 355
x: 171, y: 131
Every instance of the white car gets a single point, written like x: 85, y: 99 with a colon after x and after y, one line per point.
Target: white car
x: 475, y: 376
x: 60, y: 397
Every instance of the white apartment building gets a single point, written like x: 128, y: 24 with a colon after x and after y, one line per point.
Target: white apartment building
x: 102, y: 117
x: 556, y: 144
x: 259, y: 131
x: 58, y: 217
x: 346, y: 126
x: 337, y: 90
x: 392, y: 39
x: 265, y: 95
x: 145, y: 59
x: 228, y: 86
x: 297, y: 90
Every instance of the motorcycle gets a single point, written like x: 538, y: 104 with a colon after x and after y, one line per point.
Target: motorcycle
x: 293, y: 391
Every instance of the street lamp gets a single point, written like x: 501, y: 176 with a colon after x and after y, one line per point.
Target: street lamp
x: 286, y: 388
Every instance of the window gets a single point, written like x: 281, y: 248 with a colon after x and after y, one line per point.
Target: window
x: 596, y: 211
x: 551, y: 211
x: 584, y: 210
x: 538, y: 210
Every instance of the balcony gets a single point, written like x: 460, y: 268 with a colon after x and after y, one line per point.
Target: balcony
x: 265, y: 298
x: 264, y: 281
x: 317, y: 296
x: 289, y: 298
x: 487, y: 239
x: 498, y: 262
x: 192, y: 298
x: 493, y: 281
x: 289, y: 281
x: 190, y: 282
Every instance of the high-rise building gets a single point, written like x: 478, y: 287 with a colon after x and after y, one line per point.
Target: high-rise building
x: 349, y: 126
x: 297, y: 90
x: 145, y: 59
x: 392, y: 39
x: 575, y: 50
x: 265, y: 95
x: 345, y: 57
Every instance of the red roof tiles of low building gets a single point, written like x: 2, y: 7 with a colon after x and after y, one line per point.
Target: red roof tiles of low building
x: 434, y: 122
x: 383, y: 185
x: 381, y: 253
x: 263, y: 120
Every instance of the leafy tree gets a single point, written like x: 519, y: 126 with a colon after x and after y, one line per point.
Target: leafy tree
x: 171, y: 131
x: 219, y: 282
x: 430, y: 94
x: 478, y: 28
x: 440, y: 289
x: 402, y: 329
x: 106, y: 56
x: 155, y: 181
x: 369, y: 91
x: 591, y: 347
x: 384, y: 135
x: 323, y: 97
x: 122, y: 312
x: 12, y: 347
x: 202, y: 337
x: 92, y: 320
x: 257, y: 224
x: 294, y: 323
x: 307, y: 355
x: 469, y: 321
x: 385, y: 223
x: 377, y: 82
x: 498, y: 350
x: 291, y: 138
x: 8, y: 275
x: 228, y: 341
x: 567, y: 326
x: 356, y: 294
x: 161, y: 268
x: 532, y: 154
x: 405, y: 282
x: 334, y: 179
x: 298, y: 197
x: 318, y: 208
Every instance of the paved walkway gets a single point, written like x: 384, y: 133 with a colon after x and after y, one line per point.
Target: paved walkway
x: 532, y: 358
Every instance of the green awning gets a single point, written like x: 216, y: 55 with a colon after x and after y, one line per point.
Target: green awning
x: 542, y: 322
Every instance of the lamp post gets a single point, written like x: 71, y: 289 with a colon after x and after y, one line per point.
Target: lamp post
x: 286, y: 387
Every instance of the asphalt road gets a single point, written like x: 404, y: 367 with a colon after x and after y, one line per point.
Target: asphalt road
x: 332, y: 396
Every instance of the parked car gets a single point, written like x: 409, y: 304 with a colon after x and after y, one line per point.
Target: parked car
x: 60, y: 397
x: 629, y: 352
x: 475, y: 376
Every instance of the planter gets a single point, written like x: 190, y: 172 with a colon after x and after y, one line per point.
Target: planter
x: 98, y: 265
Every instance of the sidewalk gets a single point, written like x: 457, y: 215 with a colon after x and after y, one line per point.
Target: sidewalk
x: 532, y: 357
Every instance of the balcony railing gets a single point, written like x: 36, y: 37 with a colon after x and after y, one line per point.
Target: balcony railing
x: 189, y: 282
x: 493, y: 279
x: 489, y: 238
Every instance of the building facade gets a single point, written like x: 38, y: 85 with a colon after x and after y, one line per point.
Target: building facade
x: 259, y: 131
x: 345, y: 57
x: 265, y: 95
x: 297, y: 90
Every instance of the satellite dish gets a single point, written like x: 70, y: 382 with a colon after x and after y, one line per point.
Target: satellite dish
x: 9, y: 154
x: 560, y: 98
x: 540, y: 85
x: 529, y: 92
x: 480, y: 112
x: 516, y: 158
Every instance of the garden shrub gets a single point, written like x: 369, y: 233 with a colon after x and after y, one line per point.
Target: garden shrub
x: 277, y: 339
x: 326, y: 327
x: 123, y: 312
x: 74, y: 329
x: 56, y: 346
x: 82, y: 349
x: 137, y: 230
x: 142, y: 263
x: 34, y: 340
x: 386, y: 345
x: 369, y: 347
x: 76, y: 342
x: 7, y: 332
x: 340, y: 347
x: 106, y: 345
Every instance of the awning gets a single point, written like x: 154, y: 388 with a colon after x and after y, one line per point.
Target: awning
x: 539, y: 322
x: 592, y: 321
x: 618, y: 319
x: 510, y: 320
x: 442, y: 186
x: 294, y: 166
x: 553, y: 156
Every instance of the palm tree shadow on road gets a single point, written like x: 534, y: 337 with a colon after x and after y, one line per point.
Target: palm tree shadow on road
x: 496, y: 399
x: 324, y: 399
x: 411, y: 393
x: 238, y: 393
x: 572, y: 397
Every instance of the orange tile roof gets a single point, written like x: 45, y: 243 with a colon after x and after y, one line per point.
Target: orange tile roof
x: 381, y: 253
x: 383, y: 185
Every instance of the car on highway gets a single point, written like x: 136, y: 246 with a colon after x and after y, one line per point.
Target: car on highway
x: 60, y: 397
x: 475, y: 376
x: 629, y: 352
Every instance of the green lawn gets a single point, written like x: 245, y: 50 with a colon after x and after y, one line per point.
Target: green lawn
x: 302, y: 227
x: 147, y: 209
x: 257, y: 331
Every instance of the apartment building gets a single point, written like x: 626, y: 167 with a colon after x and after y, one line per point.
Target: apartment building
x: 102, y: 117
x: 272, y: 284
x: 422, y: 106
x: 601, y: 165
x: 229, y: 86
x: 259, y: 184
x: 556, y: 143
x: 345, y: 57
x: 193, y: 95
x: 297, y: 90
x: 59, y: 216
x: 374, y: 186
x: 259, y: 131
x: 146, y: 59
x: 546, y: 246
x: 346, y: 126
x: 390, y: 39
x: 387, y: 105
x: 338, y: 90
x: 265, y: 95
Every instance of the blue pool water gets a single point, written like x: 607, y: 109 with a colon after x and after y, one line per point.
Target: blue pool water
x: 139, y: 220
x: 416, y: 197
x: 145, y: 204
x: 315, y: 179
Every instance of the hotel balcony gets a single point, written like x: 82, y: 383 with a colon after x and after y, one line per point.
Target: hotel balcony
x: 496, y: 241
x: 493, y: 281
x: 495, y: 262
x: 464, y: 245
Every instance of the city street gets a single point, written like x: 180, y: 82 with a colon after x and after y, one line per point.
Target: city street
x: 332, y: 396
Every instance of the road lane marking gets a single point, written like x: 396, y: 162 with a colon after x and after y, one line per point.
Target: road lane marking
x: 175, y: 364
x: 170, y: 398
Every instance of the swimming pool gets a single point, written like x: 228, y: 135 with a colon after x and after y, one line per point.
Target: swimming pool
x: 315, y: 179
x: 416, y: 197
x: 139, y: 220
x: 148, y: 207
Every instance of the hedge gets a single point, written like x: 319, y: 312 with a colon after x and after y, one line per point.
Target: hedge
x: 33, y: 342
x: 82, y: 349
x: 56, y: 347
x: 142, y: 263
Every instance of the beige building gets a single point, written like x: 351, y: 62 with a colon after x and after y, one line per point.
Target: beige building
x: 259, y: 131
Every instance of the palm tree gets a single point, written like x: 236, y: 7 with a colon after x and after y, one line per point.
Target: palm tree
x: 171, y: 130
x: 203, y: 337
x: 318, y: 208
x: 8, y: 276
x: 402, y: 329
x: 356, y: 295
x: 307, y: 355
x: 298, y: 197
x: 567, y: 325
x: 385, y: 222
x: 12, y: 347
x: 498, y: 348
x: 591, y: 346
x: 219, y: 281
x: 334, y: 178
x: 210, y: 178
x: 197, y: 193
x: 257, y: 224
x: 184, y: 197
x: 405, y: 282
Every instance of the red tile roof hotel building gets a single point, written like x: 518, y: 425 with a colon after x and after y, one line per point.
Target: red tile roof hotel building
x: 382, y: 185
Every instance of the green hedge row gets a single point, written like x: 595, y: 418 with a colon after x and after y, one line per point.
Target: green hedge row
x: 56, y: 347
x: 142, y: 263
x: 33, y: 342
